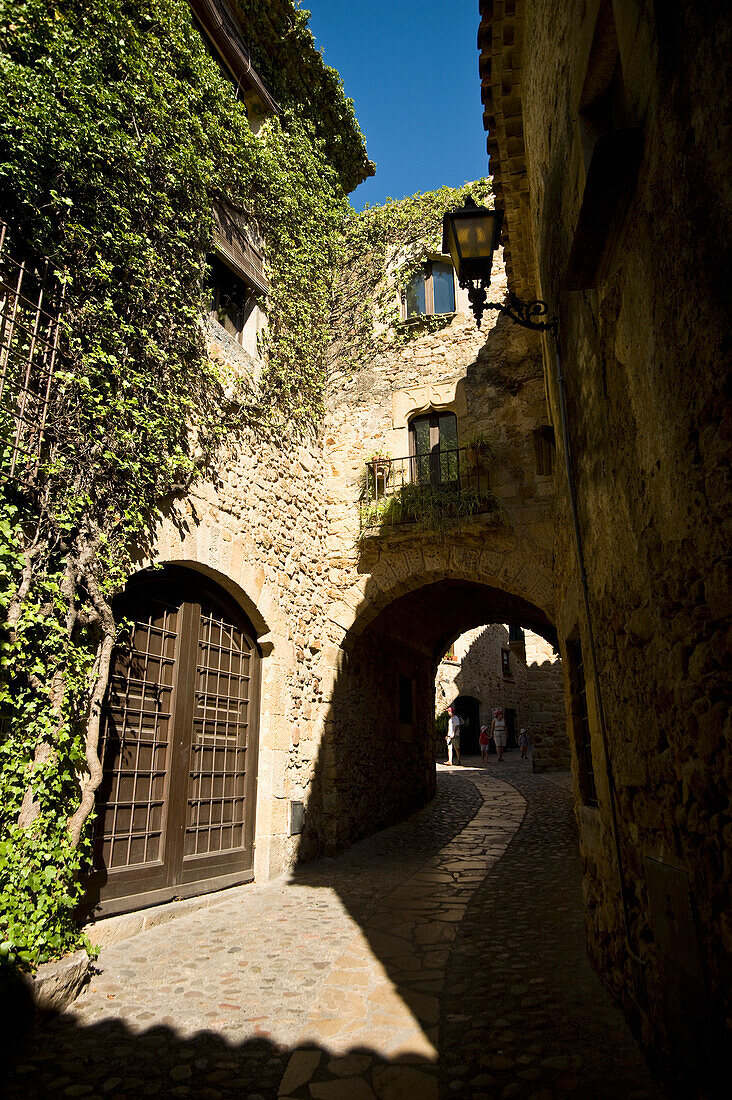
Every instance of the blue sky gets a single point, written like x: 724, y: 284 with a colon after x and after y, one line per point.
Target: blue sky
x: 411, y: 67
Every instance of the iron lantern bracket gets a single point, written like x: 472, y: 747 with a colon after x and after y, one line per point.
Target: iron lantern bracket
x: 533, y: 315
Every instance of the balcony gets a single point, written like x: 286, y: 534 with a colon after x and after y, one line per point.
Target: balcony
x: 433, y: 490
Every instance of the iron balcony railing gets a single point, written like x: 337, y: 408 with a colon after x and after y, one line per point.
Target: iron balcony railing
x: 433, y: 489
x: 31, y: 303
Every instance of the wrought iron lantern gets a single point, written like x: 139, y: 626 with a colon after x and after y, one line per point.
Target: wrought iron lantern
x: 471, y: 236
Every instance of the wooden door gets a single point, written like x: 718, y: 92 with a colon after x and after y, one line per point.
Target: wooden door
x: 509, y: 714
x: 179, y: 747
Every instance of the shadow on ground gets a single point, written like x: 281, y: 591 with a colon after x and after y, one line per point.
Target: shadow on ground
x: 109, y: 1059
x: 520, y: 1013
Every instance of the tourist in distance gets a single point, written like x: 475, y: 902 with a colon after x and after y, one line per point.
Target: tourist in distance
x: 453, y: 735
x: 485, y: 743
x: 499, y: 732
x: 524, y: 744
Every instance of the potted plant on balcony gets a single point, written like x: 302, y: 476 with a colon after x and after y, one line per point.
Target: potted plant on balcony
x: 480, y: 450
x: 380, y: 466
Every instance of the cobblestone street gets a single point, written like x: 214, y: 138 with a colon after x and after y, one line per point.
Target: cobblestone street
x: 442, y: 957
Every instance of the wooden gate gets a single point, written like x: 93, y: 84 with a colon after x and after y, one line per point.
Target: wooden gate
x: 179, y: 747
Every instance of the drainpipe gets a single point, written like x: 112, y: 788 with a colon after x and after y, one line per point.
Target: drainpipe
x: 591, y: 637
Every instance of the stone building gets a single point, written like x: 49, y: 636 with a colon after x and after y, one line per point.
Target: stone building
x: 401, y: 589
x: 345, y: 625
x: 307, y: 637
x: 502, y: 666
x: 607, y: 129
x: 302, y: 599
x: 230, y: 646
x: 286, y: 635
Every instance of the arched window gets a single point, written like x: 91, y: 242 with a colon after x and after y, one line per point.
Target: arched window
x: 178, y: 745
x: 433, y: 448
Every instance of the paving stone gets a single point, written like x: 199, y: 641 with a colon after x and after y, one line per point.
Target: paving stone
x: 351, y: 1065
x: 403, y: 1083
x: 347, y: 1088
x: 300, y: 1069
x: 441, y: 957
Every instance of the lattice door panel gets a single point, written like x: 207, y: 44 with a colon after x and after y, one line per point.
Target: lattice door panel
x: 217, y: 789
x: 136, y: 741
x: 179, y: 744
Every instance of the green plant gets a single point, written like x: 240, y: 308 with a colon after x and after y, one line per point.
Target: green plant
x: 482, y: 446
x: 380, y: 250
x: 434, y: 508
x: 118, y: 132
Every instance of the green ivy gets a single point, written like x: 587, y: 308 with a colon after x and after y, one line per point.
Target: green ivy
x: 117, y: 134
x: 380, y: 250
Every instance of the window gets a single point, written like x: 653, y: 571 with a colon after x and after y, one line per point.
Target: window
x: 581, y: 723
x: 515, y: 634
x: 433, y: 449
x: 544, y: 450
x: 506, y: 662
x: 450, y: 654
x: 232, y: 300
x: 431, y: 290
x: 220, y: 27
x: 612, y: 148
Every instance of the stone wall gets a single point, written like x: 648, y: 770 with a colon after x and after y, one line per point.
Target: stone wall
x: 534, y: 688
x: 644, y: 367
x: 373, y: 769
x: 492, y: 381
x: 340, y: 618
x: 548, y: 719
x: 260, y: 530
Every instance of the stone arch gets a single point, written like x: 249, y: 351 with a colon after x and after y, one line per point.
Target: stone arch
x: 521, y: 572
x: 223, y: 555
x: 237, y: 593
x: 199, y: 536
x: 394, y: 632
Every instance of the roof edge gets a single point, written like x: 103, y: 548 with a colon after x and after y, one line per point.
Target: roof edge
x: 500, y: 41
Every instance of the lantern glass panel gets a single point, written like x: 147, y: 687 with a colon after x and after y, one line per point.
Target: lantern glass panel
x: 475, y: 236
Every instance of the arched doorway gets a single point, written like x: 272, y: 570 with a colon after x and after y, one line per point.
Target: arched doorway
x: 178, y: 746
x: 468, y: 710
x: 371, y: 769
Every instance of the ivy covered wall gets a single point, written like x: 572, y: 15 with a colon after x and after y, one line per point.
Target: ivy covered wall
x: 117, y: 133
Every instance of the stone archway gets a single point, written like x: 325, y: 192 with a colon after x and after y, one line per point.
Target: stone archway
x: 376, y: 761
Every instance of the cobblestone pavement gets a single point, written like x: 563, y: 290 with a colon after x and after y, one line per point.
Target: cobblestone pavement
x: 442, y: 957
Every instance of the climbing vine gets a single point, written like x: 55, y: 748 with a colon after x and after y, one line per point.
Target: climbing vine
x: 118, y: 132
x: 380, y: 250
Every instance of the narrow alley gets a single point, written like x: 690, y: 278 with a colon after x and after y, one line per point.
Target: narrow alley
x: 442, y: 957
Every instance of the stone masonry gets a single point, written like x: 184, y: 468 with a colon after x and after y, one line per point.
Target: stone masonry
x: 606, y: 120
x: 533, y: 688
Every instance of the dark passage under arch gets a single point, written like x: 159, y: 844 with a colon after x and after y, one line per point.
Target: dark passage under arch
x: 468, y: 710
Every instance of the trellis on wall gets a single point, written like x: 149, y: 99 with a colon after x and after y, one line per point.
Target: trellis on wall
x: 31, y: 305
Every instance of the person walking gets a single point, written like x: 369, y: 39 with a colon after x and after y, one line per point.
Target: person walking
x: 485, y: 743
x: 499, y: 733
x: 453, y: 735
x: 524, y: 744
